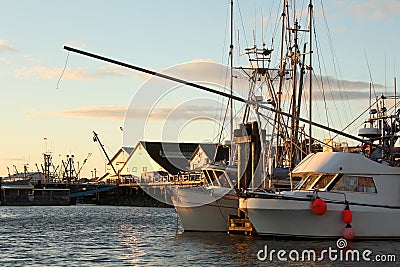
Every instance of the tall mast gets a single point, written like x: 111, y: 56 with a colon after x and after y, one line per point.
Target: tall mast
x: 310, y: 80
x: 294, y: 122
x: 281, y: 78
x: 231, y: 87
x: 395, y: 95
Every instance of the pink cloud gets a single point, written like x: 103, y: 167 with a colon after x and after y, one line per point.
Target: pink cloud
x: 97, y: 113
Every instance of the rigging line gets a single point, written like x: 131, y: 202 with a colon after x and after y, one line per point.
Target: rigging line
x: 370, y: 75
x: 359, y: 116
x: 223, y: 122
x: 274, y: 32
x: 269, y: 119
x: 241, y: 20
x: 220, y: 106
x: 327, y: 78
x: 322, y: 84
x: 335, y: 64
x: 255, y: 19
x: 62, y: 73
x: 244, y: 32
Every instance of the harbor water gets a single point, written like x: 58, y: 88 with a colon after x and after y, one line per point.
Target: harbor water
x: 86, y: 235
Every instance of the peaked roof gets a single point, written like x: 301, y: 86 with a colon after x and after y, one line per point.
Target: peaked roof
x: 209, y: 150
x: 126, y: 149
x: 173, y: 157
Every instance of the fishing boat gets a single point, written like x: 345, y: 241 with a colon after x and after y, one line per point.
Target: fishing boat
x: 207, y: 207
x: 352, y: 193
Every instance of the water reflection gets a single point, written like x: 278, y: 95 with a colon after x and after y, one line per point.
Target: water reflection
x: 115, y: 236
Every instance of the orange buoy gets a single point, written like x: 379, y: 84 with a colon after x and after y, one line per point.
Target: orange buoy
x: 347, y: 216
x: 318, y: 207
x: 348, y: 232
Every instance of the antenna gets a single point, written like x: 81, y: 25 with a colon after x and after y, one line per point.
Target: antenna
x: 231, y: 86
x: 370, y: 75
x: 310, y: 81
x: 395, y: 95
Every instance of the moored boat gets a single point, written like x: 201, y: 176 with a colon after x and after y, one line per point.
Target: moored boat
x: 368, y: 188
x: 207, y: 207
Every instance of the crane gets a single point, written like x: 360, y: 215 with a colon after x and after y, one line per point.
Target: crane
x: 96, y: 139
x: 84, y: 162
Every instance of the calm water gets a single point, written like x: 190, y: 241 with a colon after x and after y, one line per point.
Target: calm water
x: 132, y: 236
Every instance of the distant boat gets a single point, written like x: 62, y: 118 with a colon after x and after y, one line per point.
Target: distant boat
x: 23, y: 193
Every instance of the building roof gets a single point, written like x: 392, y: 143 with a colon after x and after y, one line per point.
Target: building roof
x: 209, y: 150
x: 125, y: 149
x: 21, y: 184
x: 173, y: 157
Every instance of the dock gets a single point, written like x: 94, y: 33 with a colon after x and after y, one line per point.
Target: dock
x: 240, y: 226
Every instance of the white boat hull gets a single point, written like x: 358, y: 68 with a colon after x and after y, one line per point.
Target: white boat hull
x: 294, y: 218
x: 209, y: 215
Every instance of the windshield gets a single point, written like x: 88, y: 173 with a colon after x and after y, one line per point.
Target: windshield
x: 324, y: 181
x: 309, y: 182
x: 316, y: 181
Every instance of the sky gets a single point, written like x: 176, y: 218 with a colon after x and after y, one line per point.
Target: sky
x: 44, y: 110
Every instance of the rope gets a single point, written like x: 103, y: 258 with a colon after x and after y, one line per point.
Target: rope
x: 65, y: 66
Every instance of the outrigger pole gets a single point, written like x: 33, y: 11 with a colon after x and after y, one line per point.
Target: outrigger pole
x: 233, y: 97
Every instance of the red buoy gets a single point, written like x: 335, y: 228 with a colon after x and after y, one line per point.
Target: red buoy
x: 318, y: 207
x: 347, y: 216
x: 348, y: 232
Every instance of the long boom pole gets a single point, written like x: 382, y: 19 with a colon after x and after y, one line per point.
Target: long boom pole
x: 210, y: 90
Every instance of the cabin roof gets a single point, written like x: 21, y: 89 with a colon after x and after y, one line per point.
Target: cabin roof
x: 342, y: 162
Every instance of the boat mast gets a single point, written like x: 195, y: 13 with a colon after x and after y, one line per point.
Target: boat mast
x: 310, y: 81
x: 231, y: 86
x: 294, y: 123
x: 282, y: 66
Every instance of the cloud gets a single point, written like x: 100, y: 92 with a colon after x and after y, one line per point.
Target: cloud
x: 6, y: 46
x: 345, y: 84
x: 96, y: 113
x: 182, y: 112
x: 31, y: 58
x: 327, y: 88
x: 76, y: 44
x: 375, y: 9
x: 139, y: 114
x: 338, y: 90
x: 69, y: 74
x: 190, y: 71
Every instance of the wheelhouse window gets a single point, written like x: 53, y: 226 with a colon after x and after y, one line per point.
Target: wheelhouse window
x: 307, y: 185
x: 355, y: 184
x: 324, y: 181
x: 316, y: 181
